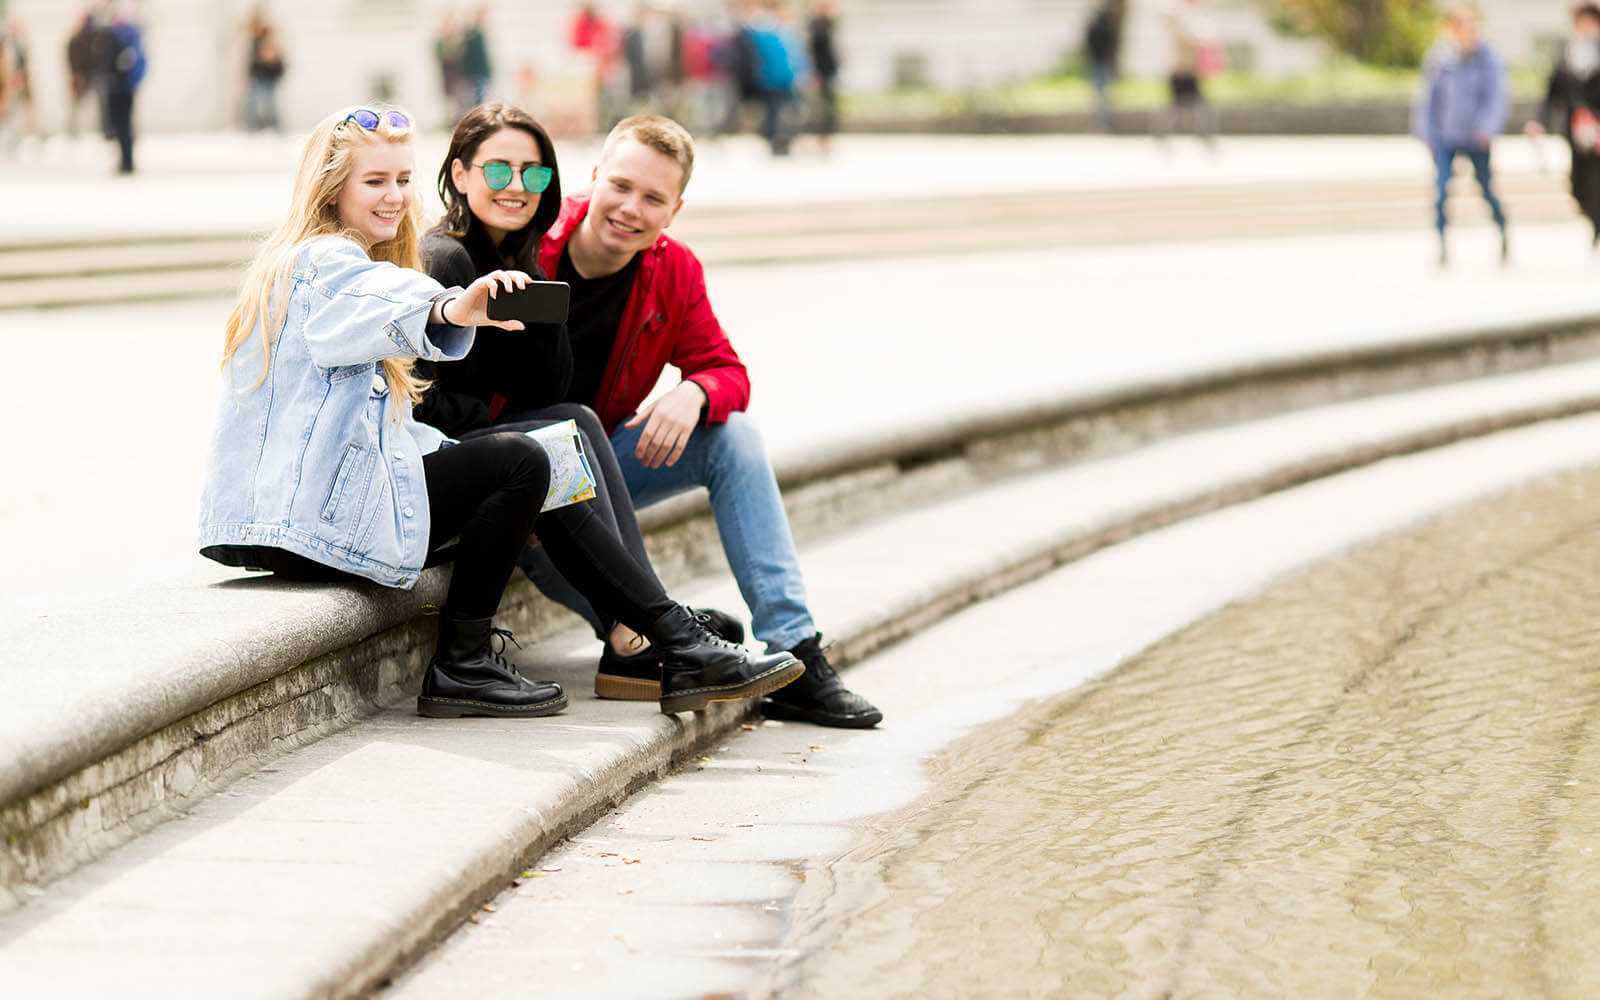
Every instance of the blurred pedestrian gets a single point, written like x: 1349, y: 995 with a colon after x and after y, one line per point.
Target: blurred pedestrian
x: 263, y: 71
x: 708, y: 95
x: 825, y: 67
x: 1463, y: 106
x: 594, y: 37
x: 17, y: 115
x: 1196, y: 54
x: 476, y: 69
x: 81, y: 71
x: 448, y: 47
x: 123, y: 73
x: 780, y: 67
x: 1572, y: 106
x: 1101, y: 41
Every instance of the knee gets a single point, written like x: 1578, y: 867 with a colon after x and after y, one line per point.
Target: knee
x: 587, y: 420
x: 521, y: 459
x: 737, y: 440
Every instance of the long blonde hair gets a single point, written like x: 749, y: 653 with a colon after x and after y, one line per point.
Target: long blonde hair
x: 325, y: 165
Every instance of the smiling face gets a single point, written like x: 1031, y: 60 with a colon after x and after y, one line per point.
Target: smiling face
x: 500, y: 212
x: 636, y: 194
x: 377, y: 194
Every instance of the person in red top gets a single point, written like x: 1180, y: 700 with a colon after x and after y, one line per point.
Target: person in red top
x: 639, y: 304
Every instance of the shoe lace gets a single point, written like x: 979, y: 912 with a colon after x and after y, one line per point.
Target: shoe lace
x: 504, y: 635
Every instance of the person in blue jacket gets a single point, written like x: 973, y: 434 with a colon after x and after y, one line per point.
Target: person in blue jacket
x: 1463, y: 106
x: 318, y: 471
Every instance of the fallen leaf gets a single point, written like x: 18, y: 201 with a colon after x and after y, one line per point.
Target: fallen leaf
x: 551, y: 868
x: 703, y: 838
x: 488, y: 907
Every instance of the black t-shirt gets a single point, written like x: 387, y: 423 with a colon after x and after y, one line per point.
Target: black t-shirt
x: 593, y: 316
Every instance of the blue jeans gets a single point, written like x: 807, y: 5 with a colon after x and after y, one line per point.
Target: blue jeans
x: 731, y: 462
x: 1444, y: 159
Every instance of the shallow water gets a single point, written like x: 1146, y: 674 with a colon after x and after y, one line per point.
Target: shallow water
x: 1378, y: 778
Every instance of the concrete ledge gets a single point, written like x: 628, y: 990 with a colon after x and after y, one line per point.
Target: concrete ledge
x: 169, y: 695
x: 323, y: 873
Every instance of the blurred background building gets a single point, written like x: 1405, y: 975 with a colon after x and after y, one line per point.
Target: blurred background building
x: 348, y: 51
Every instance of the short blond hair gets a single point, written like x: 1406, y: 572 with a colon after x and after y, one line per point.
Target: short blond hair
x: 659, y: 133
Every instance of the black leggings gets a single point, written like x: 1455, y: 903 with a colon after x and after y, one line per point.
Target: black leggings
x: 612, y: 503
x: 486, y: 493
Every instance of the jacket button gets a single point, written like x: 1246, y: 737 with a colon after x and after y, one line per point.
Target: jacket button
x: 244, y: 532
x: 399, y: 456
x: 407, y: 512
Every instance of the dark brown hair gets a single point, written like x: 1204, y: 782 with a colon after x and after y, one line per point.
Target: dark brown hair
x: 520, y: 248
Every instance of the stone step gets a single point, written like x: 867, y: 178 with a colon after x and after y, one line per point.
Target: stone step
x: 44, y: 274
x: 182, y: 687
x: 329, y: 867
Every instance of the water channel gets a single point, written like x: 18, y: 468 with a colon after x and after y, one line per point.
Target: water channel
x: 1379, y: 777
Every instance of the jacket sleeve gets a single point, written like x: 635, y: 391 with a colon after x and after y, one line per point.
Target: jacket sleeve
x: 1491, y: 120
x: 359, y: 310
x: 1423, y: 118
x: 451, y: 411
x: 703, y: 354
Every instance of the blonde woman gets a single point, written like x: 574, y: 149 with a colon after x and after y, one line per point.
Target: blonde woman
x: 318, y: 471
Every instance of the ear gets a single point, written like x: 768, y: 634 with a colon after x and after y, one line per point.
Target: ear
x: 675, y: 210
x: 458, y: 175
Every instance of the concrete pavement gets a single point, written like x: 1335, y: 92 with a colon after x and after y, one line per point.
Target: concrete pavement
x: 891, y: 346
x: 206, y: 183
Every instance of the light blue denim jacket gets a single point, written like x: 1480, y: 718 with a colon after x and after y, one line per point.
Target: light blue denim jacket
x: 315, y: 459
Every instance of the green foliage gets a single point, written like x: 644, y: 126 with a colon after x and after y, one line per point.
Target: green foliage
x: 1379, y: 32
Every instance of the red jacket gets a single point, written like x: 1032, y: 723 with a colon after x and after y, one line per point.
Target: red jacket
x: 668, y: 320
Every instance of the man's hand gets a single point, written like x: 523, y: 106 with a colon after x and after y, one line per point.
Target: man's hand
x: 1483, y: 139
x: 668, y: 423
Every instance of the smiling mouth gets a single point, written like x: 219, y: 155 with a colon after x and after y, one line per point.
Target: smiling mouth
x: 620, y: 227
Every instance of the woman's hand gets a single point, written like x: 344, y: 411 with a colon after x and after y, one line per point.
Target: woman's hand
x: 470, y: 307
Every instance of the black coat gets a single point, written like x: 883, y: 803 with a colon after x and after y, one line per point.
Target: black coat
x: 1565, y: 93
x: 507, y: 372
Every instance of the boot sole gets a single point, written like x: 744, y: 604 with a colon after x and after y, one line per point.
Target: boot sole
x: 789, y: 713
x: 695, y: 699
x: 455, y: 708
x: 625, y: 688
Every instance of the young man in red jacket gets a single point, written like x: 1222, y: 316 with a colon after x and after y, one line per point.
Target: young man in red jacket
x: 639, y: 304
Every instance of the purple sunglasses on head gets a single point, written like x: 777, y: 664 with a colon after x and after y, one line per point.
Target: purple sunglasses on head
x: 369, y: 119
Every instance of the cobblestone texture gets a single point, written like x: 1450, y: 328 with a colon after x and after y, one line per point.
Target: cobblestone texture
x: 1379, y: 778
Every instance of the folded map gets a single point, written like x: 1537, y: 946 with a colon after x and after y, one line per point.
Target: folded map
x: 571, y: 479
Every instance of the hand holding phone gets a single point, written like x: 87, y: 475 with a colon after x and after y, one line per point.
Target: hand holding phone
x: 534, y: 302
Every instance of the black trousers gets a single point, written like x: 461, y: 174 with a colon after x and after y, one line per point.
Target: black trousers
x: 486, y: 493
x: 119, y: 121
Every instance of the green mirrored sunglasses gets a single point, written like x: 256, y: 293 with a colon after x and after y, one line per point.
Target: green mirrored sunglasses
x: 498, y: 173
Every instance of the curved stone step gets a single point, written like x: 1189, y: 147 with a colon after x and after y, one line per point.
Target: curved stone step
x: 354, y: 853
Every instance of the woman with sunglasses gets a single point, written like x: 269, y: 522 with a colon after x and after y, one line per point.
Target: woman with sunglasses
x: 501, y: 189
x: 318, y: 471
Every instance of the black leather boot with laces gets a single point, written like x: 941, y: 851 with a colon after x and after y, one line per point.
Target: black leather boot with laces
x: 698, y: 667
x: 820, y: 696
x: 637, y: 676
x: 469, y: 676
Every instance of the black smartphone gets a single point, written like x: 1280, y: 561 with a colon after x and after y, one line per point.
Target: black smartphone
x: 536, y: 302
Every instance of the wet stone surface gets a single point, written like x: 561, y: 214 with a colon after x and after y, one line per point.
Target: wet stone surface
x: 1381, y: 777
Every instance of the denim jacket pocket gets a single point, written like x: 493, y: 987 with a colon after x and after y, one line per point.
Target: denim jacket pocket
x: 348, y: 463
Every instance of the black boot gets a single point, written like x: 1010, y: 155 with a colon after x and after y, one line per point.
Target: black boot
x: 819, y: 696
x: 468, y: 676
x: 637, y: 676
x: 698, y: 668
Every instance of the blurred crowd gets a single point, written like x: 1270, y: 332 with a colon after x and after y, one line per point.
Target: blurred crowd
x: 106, y: 64
x: 766, y: 64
